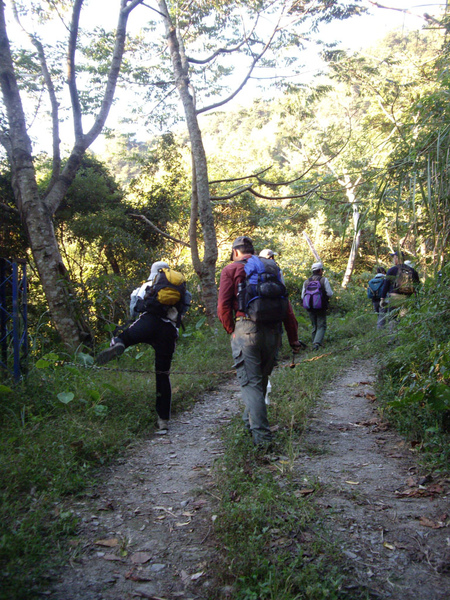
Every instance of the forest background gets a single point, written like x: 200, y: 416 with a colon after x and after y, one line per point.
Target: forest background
x: 356, y: 160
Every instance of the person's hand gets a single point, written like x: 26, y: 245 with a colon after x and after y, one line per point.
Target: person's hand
x: 383, y: 303
x: 296, y: 346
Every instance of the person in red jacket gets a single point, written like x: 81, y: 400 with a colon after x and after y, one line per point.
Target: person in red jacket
x: 253, y: 345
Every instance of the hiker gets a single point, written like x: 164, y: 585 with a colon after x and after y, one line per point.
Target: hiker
x: 374, y: 293
x: 400, y: 284
x: 157, y: 325
x: 316, y: 293
x: 254, y: 342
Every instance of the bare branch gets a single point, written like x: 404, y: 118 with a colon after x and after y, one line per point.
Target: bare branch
x: 238, y: 192
x: 153, y: 226
x: 71, y: 74
x: 246, y: 78
x: 10, y: 209
x: 52, y: 95
x: 240, y: 178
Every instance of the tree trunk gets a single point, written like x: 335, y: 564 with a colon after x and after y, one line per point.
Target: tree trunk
x: 356, y: 217
x: 35, y: 216
x: 201, y: 201
x: 36, y: 212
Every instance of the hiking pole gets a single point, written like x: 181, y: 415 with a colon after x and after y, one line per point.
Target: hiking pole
x: 292, y: 365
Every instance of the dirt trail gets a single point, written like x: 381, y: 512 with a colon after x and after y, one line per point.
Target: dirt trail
x: 391, y: 520
x: 153, y: 513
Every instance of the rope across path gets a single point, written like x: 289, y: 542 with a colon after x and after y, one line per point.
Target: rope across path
x: 171, y: 372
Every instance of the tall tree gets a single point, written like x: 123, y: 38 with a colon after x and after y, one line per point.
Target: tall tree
x: 252, y: 35
x: 37, y: 209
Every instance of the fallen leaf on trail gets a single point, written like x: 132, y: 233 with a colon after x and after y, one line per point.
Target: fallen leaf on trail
x: 108, y: 543
x: 373, y: 421
x: 429, y: 523
x: 161, y: 517
x: 199, y: 503
x: 352, y: 482
x: 112, y: 557
x: 354, y: 384
x: 107, y: 506
x: 136, y: 576
x: 389, y: 546
x: 359, y: 395
x: 184, y: 577
x: 365, y: 383
x: 419, y: 492
x: 303, y: 492
x: 183, y: 524
x: 196, y: 576
x: 185, y: 513
x: 411, y: 482
x: 371, y: 397
x: 140, y: 558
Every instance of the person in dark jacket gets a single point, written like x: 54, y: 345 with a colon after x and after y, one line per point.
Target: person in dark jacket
x: 253, y: 345
x: 395, y: 293
x: 161, y: 333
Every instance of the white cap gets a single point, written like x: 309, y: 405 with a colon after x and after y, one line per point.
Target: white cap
x: 408, y: 263
x: 267, y: 253
x: 316, y: 266
x: 156, y: 266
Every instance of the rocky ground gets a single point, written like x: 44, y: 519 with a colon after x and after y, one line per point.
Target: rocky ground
x: 147, y: 531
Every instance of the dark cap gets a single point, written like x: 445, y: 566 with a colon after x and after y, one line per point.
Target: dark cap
x: 242, y: 240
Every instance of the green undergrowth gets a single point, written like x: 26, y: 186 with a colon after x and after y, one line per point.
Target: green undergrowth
x: 63, y: 424
x: 414, y: 375
x: 269, y: 524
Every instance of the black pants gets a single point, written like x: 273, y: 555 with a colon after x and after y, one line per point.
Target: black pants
x: 150, y: 329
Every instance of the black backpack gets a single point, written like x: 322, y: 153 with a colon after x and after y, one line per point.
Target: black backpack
x: 404, y: 281
x: 263, y: 295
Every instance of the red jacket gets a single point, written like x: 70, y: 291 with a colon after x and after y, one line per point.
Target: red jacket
x: 227, y: 310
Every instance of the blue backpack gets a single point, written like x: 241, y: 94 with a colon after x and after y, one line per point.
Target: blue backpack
x: 314, y: 297
x: 375, y: 287
x: 263, y: 296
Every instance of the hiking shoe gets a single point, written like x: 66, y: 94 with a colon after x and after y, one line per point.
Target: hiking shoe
x: 163, y: 426
x: 116, y: 349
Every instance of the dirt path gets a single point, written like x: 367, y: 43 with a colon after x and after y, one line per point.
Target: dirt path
x: 146, y: 533
x: 391, y: 520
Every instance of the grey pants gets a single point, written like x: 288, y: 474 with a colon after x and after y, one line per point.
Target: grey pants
x: 319, y: 325
x: 254, y: 350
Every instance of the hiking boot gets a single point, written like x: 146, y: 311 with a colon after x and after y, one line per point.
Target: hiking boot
x: 116, y: 349
x: 163, y: 426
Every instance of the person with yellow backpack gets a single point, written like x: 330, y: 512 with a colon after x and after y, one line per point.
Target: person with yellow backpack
x: 159, y: 303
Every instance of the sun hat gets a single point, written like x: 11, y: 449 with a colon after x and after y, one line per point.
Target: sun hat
x: 316, y: 266
x: 267, y: 253
x: 156, y: 266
